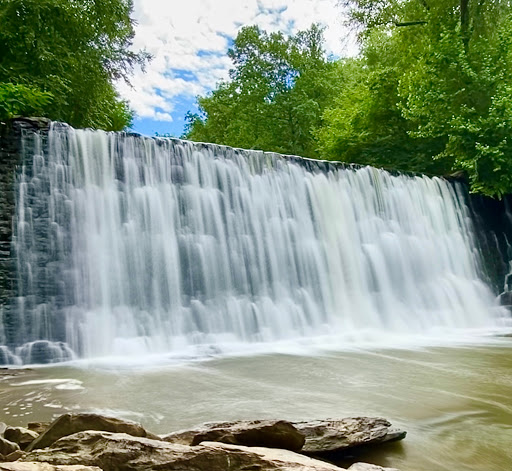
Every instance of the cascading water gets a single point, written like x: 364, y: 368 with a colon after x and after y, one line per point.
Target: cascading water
x: 128, y: 245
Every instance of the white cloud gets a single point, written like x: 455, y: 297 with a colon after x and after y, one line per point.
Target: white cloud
x: 189, y: 40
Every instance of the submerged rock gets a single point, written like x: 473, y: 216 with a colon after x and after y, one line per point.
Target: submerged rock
x: 69, y: 424
x: 44, y: 351
x: 116, y: 451
x: 263, y: 433
x: 332, y: 435
x: 7, y: 357
x: 22, y: 436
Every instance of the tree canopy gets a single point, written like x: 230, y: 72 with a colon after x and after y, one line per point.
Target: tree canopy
x: 430, y: 92
x: 275, y: 96
x: 446, y: 91
x: 60, y: 58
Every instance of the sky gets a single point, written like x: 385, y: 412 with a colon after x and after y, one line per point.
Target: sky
x: 189, y: 39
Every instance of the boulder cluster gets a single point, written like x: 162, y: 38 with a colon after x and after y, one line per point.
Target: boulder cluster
x: 92, y: 442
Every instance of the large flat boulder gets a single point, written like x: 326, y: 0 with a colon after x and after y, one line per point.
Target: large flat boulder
x: 69, y: 424
x: 333, y: 435
x: 20, y: 466
x: 122, y: 452
x: 262, y: 433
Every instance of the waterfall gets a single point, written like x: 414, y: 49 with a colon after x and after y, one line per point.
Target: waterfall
x: 127, y: 245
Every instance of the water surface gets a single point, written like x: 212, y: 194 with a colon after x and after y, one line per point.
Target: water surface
x: 455, y: 403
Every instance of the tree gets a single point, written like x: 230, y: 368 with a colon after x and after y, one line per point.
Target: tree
x: 275, y: 95
x: 19, y: 99
x: 71, y: 52
x: 431, y: 91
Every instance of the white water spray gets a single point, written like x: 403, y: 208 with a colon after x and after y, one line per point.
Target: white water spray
x: 128, y: 245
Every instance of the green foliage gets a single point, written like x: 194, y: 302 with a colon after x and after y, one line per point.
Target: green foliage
x: 274, y: 98
x: 431, y: 92
x: 17, y: 100
x: 73, y: 50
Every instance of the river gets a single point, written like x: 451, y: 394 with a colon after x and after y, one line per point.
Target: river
x: 454, y: 401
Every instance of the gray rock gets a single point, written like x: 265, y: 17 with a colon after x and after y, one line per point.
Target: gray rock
x: 15, y: 455
x: 7, y: 447
x: 369, y: 467
x: 331, y: 435
x: 20, y: 466
x: 38, y: 427
x: 505, y: 298
x: 263, y: 433
x: 22, y: 436
x: 116, y: 451
x: 69, y: 424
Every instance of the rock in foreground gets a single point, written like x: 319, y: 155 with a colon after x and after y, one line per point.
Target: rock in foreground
x: 333, y: 435
x: 262, y: 433
x: 119, y: 451
x: 20, y: 466
x: 22, y: 436
x: 69, y: 424
x: 7, y: 447
x: 369, y: 467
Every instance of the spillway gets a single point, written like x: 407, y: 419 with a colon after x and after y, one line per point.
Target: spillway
x: 127, y: 245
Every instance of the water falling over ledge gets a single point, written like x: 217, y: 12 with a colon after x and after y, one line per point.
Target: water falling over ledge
x: 127, y: 245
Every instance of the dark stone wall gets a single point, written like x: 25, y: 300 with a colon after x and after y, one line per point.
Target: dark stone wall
x: 493, y: 225
x: 492, y: 218
x: 10, y: 152
x: 11, y: 155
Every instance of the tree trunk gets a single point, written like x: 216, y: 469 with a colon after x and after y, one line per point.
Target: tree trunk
x: 464, y: 23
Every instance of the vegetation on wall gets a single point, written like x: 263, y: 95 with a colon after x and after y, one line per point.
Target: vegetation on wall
x: 59, y: 59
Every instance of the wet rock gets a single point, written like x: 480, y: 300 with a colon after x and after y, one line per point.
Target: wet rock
x: 7, y: 357
x: 22, y: 436
x: 115, y: 451
x: 7, y: 447
x: 263, y: 433
x: 369, y: 467
x: 20, y: 466
x: 15, y: 455
x: 44, y: 352
x: 69, y: 424
x: 505, y: 298
x: 332, y: 435
x: 38, y: 427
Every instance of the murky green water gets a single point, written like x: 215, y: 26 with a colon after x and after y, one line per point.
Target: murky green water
x: 455, y: 403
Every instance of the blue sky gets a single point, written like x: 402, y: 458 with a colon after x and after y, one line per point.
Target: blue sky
x: 189, y: 40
